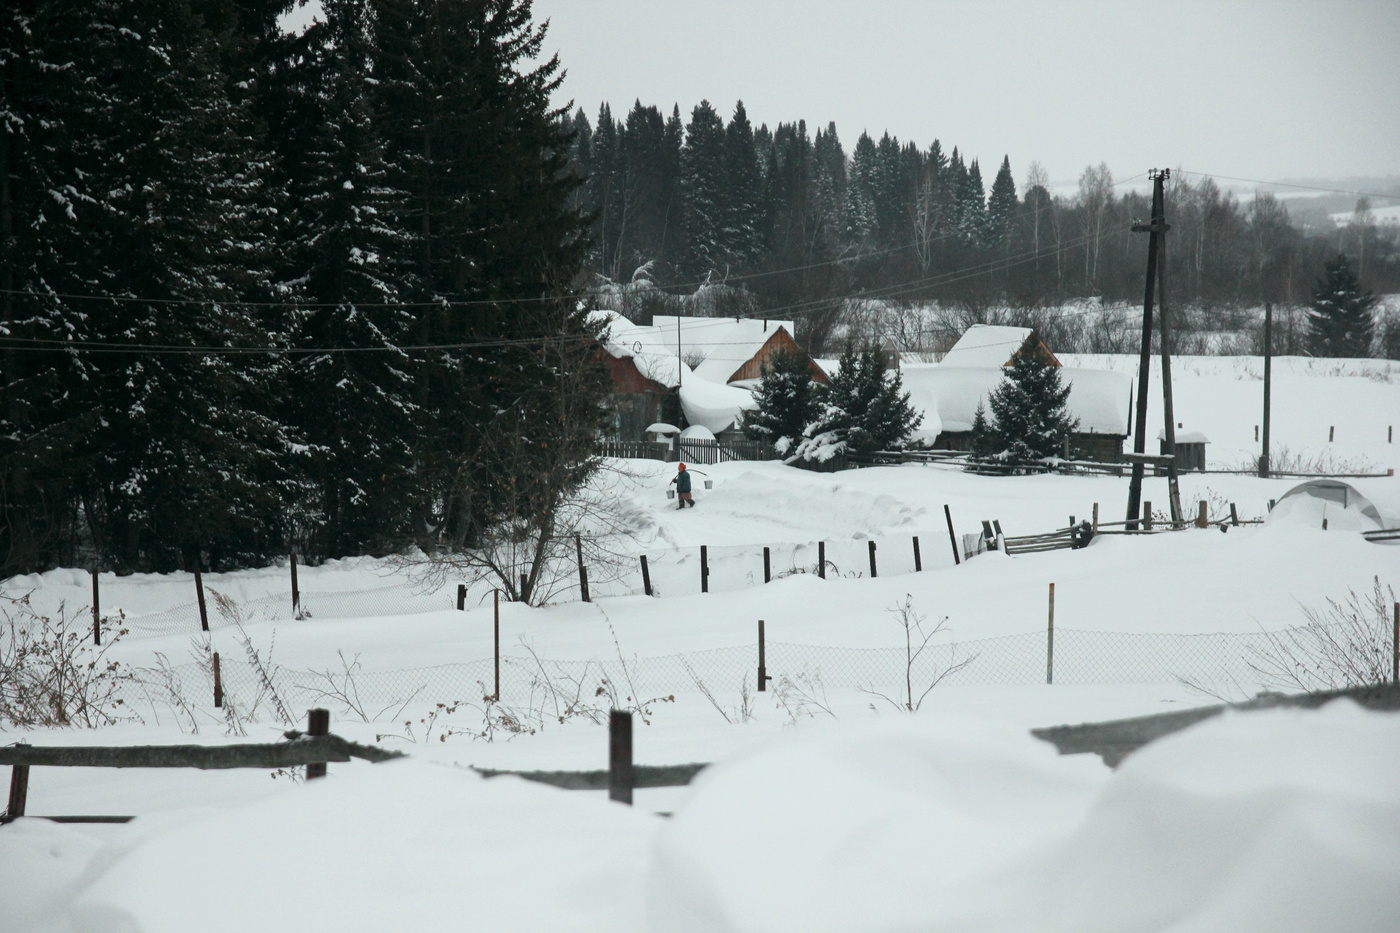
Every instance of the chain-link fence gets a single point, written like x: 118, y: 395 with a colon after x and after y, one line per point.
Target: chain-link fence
x: 1080, y: 657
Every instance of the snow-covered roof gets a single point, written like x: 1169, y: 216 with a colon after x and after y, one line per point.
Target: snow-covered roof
x: 1185, y: 437
x: 715, y: 406
x: 949, y: 395
x: 986, y: 345
x: 643, y: 345
x: 722, y: 344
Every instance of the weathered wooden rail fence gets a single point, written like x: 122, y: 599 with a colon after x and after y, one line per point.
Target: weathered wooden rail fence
x: 313, y: 749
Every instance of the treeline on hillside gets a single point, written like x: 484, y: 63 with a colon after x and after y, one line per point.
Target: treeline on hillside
x: 261, y: 290
x: 725, y: 218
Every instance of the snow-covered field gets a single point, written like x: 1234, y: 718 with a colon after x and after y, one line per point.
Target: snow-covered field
x: 828, y: 809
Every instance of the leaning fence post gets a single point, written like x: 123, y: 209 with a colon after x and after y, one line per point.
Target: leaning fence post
x: 318, y: 722
x: 582, y: 570
x: 19, y: 790
x: 620, y: 778
x: 96, y: 614
x: 646, y: 576
x: 763, y: 677
x: 461, y: 597
x: 496, y: 632
x: 1050, y: 641
x: 952, y: 538
x: 199, y: 594
x: 1234, y: 515
x: 296, y: 593
x: 871, y: 547
x: 918, y: 562
x: 704, y: 569
x: 821, y: 559
x: 218, y: 683
x: 767, y: 566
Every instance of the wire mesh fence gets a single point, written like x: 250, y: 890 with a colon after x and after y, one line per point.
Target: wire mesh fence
x: 1080, y: 657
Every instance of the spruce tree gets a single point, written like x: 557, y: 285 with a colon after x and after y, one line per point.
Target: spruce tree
x: 1340, y: 314
x: 972, y: 206
x: 743, y: 191
x: 1029, y: 409
x: 787, y: 401
x: 1001, y: 205
x: 863, y: 409
x: 703, y: 187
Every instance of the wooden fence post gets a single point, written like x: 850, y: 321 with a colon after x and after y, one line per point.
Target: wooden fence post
x: 620, y: 777
x: 918, y: 561
x: 582, y: 570
x: 821, y: 559
x: 318, y: 722
x: 296, y: 592
x: 767, y: 566
x: 96, y: 615
x: 704, y: 569
x: 1096, y: 518
x: 199, y: 594
x: 763, y: 677
x: 646, y: 576
x: 218, y: 683
x: 1147, y: 516
x: 524, y: 585
x: 1202, y: 521
x: 496, y: 634
x: 1331, y: 433
x: 19, y: 791
x: 1050, y: 641
x: 871, y: 546
x: 461, y: 597
x: 952, y: 538
x: 1234, y: 515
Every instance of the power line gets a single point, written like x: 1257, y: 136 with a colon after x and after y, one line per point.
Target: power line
x: 1284, y: 184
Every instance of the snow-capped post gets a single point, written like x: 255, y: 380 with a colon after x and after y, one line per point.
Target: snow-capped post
x: 582, y: 570
x: 918, y: 561
x: 821, y: 559
x: 199, y: 595
x: 870, y: 546
x: 704, y: 569
x: 646, y: 576
x: 296, y: 593
x: 318, y: 722
x: 767, y: 566
x: 218, y: 684
x: 96, y: 613
x: 952, y: 538
x: 496, y: 635
x: 1050, y: 641
x: 461, y: 597
x: 763, y: 677
x: 620, y: 756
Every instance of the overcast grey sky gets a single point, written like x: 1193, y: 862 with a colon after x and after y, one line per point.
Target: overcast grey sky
x: 1270, y: 90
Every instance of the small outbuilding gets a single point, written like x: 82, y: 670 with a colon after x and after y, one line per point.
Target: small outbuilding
x: 1190, y: 449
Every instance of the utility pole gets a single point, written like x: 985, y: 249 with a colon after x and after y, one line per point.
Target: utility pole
x: 1153, y: 229
x: 1268, y: 383
x: 1168, y: 410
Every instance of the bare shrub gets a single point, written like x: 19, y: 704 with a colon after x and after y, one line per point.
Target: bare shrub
x: 51, y: 674
x: 1346, y: 643
x: 802, y: 696
x: 916, y: 642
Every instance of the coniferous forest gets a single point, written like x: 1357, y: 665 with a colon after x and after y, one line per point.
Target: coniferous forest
x: 262, y: 291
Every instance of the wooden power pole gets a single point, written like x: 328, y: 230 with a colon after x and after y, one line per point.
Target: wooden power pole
x: 1268, y: 380
x: 1154, y: 230
x: 1168, y: 410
